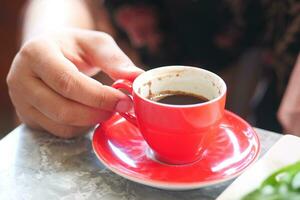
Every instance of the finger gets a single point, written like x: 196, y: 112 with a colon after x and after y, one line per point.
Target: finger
x: 63, y: 77
x: 102, y: 51
x: 35, y: 119
x: 58, y: 108
x: 29, y: 122
x: 64, y: 131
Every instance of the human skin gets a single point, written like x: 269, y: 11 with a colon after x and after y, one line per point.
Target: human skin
x: 289, y: 110
x: 49, y: 81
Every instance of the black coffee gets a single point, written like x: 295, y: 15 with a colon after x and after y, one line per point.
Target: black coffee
x: 179, y: 98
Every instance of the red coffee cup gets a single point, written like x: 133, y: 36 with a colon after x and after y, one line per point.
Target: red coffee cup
x: 177, y: 134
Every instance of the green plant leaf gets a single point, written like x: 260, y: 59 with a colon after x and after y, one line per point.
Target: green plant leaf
x: 283, y: 184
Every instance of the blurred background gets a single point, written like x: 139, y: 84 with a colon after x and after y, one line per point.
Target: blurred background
x: 9, y: 25
x: 246, y: 45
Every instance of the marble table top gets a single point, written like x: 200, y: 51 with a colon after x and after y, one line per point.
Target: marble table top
x: 36, y: 165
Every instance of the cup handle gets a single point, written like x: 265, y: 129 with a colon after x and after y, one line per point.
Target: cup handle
x: 126, y: 85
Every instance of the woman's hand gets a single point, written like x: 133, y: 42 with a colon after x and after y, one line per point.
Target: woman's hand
x: 49, y: 81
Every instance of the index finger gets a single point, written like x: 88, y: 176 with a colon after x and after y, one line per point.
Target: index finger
x: 63, y: 77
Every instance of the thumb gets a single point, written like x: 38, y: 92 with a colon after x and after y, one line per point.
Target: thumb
x: 103, y: 52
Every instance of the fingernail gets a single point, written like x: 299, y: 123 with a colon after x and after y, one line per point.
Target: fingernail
x: 123, y: 106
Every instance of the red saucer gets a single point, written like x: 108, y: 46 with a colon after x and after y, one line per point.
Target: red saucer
x: 120, y: 147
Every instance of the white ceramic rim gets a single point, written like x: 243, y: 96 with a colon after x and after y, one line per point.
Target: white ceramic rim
x: 179, y: 67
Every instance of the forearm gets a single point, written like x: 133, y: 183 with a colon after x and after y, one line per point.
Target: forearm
x: 50, y: 15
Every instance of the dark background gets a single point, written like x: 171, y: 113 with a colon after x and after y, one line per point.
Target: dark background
x: 10, y: 12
